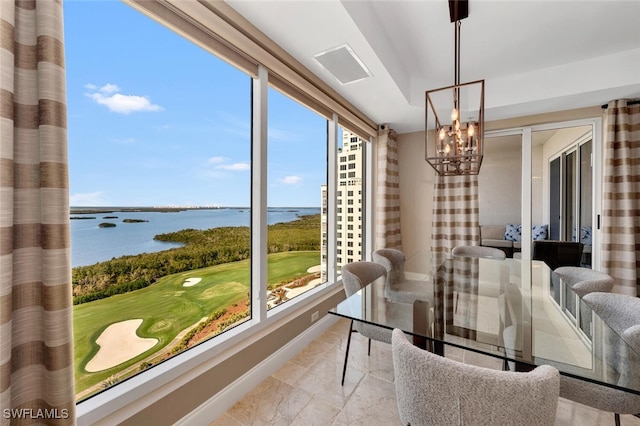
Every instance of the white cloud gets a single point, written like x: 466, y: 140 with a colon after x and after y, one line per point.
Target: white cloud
x: 109, y: 88
x: 87, y: 199
x: 123, y: 104
x: 90, y: 86
x: 234, y: 166
x: 216, y: 160
x: 290, y: 180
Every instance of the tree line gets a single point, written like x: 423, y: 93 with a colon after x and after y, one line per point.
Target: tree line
x: 202, y: 248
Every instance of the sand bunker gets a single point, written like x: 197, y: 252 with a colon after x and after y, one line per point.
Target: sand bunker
x: 119, y: 343
x: 191, y: 281
x: 313, y: 269
x: 293, y: 292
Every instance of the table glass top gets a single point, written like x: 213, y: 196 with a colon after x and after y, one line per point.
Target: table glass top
x: 512, y: 309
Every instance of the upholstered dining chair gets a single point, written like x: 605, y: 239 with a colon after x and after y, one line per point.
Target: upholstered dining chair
x: 584, y: 280
x: 356, y: 275
x: 398, y: 288
x: 433, y: 390
x: 622, y: 314
x: 478, y: 251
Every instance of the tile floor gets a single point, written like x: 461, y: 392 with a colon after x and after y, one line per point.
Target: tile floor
x: 306, y: 390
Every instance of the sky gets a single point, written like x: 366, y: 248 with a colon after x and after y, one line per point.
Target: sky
x: 154, y: 120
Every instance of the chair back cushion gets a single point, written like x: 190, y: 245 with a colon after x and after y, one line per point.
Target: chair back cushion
x: 585, y: 280
x: 478, y: 251
x: 433, y: 390
x: 619, y: 311
x: 393, y: 261
x: 356, y: 275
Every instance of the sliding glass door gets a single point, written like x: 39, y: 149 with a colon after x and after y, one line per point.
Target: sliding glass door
x: 558, y: 193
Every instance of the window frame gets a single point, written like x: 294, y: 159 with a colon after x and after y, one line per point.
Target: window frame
x: 194, y: 21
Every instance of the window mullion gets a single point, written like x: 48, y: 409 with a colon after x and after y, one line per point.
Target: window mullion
x: 332, y: 153
x: 368, y: 220
x: 259, y: 196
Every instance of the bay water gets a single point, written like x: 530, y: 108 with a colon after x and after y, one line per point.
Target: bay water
x: 91, y: 244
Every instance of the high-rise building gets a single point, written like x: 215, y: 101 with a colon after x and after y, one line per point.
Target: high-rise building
x: 349, y: 203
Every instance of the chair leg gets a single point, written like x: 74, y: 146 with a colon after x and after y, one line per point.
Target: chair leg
x: 505, y: 365
x: 346, y: 355
x: 616, y: 418
x: 369, y: 350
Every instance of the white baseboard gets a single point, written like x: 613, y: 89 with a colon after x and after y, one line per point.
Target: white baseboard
x: 217, y: 405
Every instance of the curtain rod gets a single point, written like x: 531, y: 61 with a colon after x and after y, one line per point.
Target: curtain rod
x: 634, y: 102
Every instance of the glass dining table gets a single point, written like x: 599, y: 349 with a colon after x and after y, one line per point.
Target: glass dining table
x: 517, y: 310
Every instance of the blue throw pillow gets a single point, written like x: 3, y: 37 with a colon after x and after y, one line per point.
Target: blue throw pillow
x: 512, y: 232
x: 585, y: 235
x: 539, y: 232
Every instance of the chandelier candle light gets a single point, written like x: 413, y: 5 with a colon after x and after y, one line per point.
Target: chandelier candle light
x: 457, y: 144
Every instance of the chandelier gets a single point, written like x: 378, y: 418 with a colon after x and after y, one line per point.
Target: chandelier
x: 454, y: 122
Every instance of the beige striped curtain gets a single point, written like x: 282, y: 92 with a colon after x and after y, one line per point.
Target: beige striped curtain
x: 387, y: 210
x: 455, y: 215
x: 454, y: 223
x: 621, y: 213
x: 36, y: 339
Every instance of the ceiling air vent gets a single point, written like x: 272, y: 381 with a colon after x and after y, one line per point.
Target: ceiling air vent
x: 343, y: 64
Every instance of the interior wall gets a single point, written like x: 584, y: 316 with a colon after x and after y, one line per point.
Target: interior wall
x: 417, y: 178
x: 499, y: 181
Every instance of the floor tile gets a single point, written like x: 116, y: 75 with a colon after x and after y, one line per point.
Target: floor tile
x: 372, y: 403
x: 273, y: 402
x: 306, y: 390
x: 323, y: 381
x: 316, y: 412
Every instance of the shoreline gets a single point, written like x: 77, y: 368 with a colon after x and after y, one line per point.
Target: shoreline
x: 92, y: 244
x: 167, y: 209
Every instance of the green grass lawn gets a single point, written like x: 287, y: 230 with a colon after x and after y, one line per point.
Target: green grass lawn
x: 167, y: 307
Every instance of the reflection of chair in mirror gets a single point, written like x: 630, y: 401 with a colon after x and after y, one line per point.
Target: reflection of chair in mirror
x: 584, y: 280
x: 558, y: 253
x: 478, y: 251
x: 355, y: 276
x: 434, y: 390
x: 398, y: 288
x: 512, y: 312
x: 622, y: 314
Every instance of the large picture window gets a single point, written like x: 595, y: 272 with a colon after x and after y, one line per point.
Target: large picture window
x: 160, y: 189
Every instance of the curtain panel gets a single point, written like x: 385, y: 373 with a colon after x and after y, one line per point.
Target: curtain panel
x: 455, y: 223
x: 455, y: 215
x: 621, y: 209
x: 36, y: 339
x: 387, y: 210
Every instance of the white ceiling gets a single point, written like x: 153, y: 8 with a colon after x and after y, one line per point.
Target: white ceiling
x: 535, y: 56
